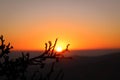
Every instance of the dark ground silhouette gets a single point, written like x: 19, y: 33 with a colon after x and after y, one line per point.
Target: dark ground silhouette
x: 105, y: 67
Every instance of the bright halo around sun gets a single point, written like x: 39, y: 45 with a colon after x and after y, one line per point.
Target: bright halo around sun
x: 59, y: 49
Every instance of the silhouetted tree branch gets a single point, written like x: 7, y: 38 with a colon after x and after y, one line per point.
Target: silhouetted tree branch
x: 17, y: 68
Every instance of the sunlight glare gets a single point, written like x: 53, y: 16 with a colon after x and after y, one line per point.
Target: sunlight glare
x: 59, y: 49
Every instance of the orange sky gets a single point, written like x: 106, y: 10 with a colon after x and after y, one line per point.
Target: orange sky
x: 84, y: 24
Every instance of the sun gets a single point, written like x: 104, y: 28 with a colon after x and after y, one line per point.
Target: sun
x: 59, y: 49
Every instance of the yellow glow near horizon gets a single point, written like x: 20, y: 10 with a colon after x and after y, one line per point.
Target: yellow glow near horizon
x: 59, y: 49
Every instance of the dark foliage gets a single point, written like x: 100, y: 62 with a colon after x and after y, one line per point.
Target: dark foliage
x: 16, y: 69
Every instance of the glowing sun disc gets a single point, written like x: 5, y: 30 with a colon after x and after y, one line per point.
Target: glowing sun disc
x: 59, y: 49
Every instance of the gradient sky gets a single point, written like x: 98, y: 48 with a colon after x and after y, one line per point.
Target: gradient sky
x: 85, y: 24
